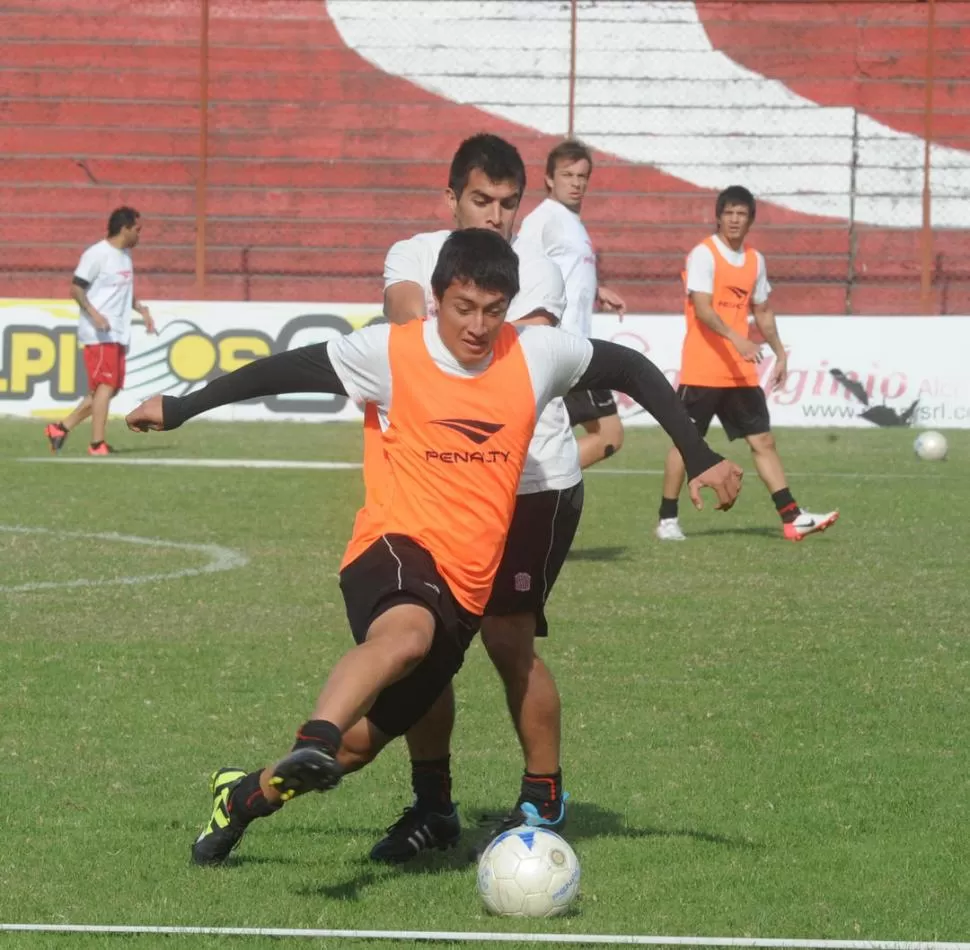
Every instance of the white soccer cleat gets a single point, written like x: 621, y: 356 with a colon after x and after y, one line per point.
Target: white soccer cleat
x: 668, y: 529
x: 807, y: 523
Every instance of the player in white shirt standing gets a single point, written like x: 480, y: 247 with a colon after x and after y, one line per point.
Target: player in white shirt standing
x: 104, y: 288
x: 486, y: 182
x: 556, y: 227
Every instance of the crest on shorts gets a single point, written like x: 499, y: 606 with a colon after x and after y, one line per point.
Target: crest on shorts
x: 523, y: 582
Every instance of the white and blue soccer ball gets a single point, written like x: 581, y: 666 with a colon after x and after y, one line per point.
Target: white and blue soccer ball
x: 528, y: 872
x: 930, y: 446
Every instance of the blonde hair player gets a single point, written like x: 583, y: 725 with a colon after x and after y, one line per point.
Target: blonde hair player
x: 556, y: 227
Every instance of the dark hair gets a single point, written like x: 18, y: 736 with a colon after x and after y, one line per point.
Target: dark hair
x: 498, y: 159
x: 572, y: 150
x: 123, y: 217
x: 480, y: 257
x: 735, y: 195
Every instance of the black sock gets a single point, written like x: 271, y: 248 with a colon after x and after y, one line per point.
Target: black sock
x: 543, y: 791
x: 668, y: 508
x: 318, y: 734
x: 97, y: 445
x: 788, y: 510
x: 431, y: 781
x: 247, y: 802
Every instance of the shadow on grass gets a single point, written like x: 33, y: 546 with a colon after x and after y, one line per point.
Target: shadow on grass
x: 597, y: 554
x: 267, y: 860
x: 149, y: 448
x: 762, y: 531
x: 586, y: 821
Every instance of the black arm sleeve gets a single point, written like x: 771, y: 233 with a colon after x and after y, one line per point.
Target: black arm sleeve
x: 81, y: 282
x: 620, y: 368
x: 304, y: 370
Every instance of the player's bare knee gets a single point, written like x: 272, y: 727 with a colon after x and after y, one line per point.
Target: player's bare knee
x: 410, y: 647
x: 405, y: 633
x: 510, y: 643
x: 762, y: 444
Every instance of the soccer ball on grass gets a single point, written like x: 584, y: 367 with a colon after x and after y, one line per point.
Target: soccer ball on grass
x: 528, y: 872
x: 930, y: 446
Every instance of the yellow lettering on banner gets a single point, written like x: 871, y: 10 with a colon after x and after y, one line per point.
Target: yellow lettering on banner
x: 236, y: 351
x: 66, y: 363
x: 32, y: 355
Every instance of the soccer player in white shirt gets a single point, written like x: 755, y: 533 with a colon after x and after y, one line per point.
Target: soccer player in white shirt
x: 104, y: 288
x: 556, y: 226
x: 485, y: 185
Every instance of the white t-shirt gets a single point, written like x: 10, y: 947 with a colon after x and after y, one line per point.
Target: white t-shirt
x: 553, y: 460
x: 700, y: 269
x: 111, y: 276
x: 361, y: 360
x: 541, y: 284
x: 563, y: 237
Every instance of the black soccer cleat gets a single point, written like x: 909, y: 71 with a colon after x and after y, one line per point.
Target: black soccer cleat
x: 306, y: 770
x: 221, y: 834
x: 418, y: 829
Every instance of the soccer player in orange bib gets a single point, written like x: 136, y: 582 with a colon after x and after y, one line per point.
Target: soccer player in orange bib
x: 725, y: 281
x: 457, y: 398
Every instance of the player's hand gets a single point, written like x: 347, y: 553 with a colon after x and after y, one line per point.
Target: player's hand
x: 780, y: 373
x: 749, y: 350
x: 724, y: 478
x: 147, y: 416
x: 611, y: 301
x: 100, y: 322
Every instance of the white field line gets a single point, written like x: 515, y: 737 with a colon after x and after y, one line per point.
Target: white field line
x: 193, y: 462
x: 220, y: 559
x: 472, y: 937
x: 353, y: 466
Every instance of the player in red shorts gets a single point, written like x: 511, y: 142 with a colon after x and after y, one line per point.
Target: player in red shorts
x: 104, y: 288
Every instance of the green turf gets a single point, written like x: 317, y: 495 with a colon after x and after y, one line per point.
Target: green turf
x: 760, y: 738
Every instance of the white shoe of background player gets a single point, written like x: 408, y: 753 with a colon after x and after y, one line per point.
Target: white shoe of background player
x: 668, y: 529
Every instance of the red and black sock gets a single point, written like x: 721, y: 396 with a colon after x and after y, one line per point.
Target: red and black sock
x: 543, y: 791
x: 668, y: 508
x: 431, y: 781
x: 318, y: 734
x: 247, y: 801
x: 785, y: 504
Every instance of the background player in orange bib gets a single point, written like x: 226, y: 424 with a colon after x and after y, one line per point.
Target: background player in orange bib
x: 724, y: 282
x: 457, y: 399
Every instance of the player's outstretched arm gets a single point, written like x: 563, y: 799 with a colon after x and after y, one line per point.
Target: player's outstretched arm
x: 304, y: 370
x: 618, y: 367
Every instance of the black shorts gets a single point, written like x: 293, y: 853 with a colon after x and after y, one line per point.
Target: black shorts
x: 542, y: 531
x: 586, y: 405
x: 743, y: 410
x: 396, y: 570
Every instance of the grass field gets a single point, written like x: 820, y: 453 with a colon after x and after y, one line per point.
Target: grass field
x: 760, y: 738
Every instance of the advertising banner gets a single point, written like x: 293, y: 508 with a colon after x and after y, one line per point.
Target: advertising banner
x: 842, y: 371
